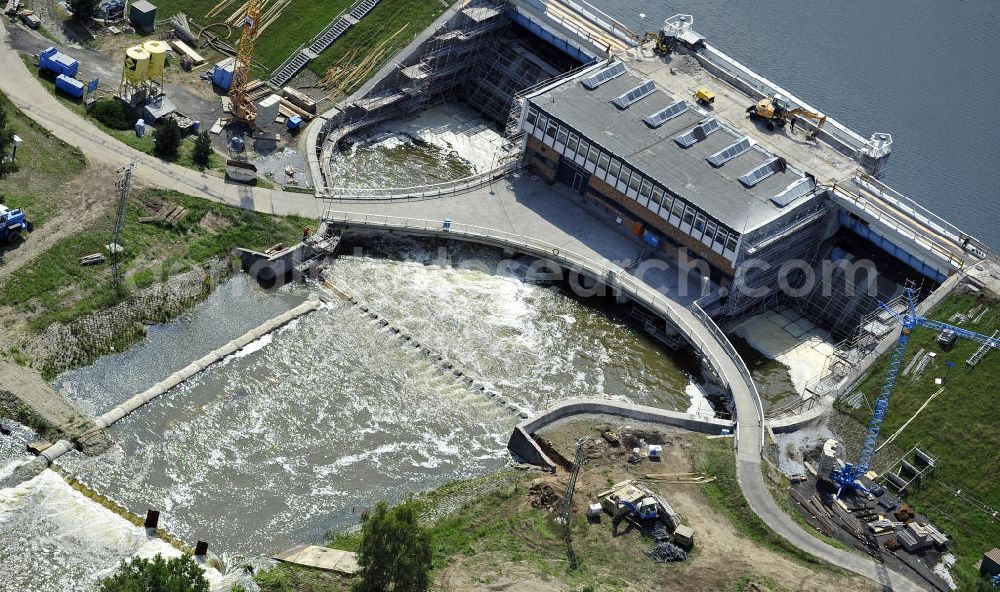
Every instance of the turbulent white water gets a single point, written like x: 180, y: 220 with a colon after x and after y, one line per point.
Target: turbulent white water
x: 295, y: 435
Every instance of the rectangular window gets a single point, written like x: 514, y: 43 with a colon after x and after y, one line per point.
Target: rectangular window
x: 633, y: 185
x: 603, y: 162
x: 710, y: 230
x: 581, y: 156
x: 562, y: 135
x: 539, y: 131
x: 551, y: 130
x: 699, y: 225
x: 623, y: 178
x: 645, y: 189
x: 688, y: 215
x: 595, y: 153
x: 678, y: 211
x: 529, y: 122
x: 732, y: 243
x: 574, y: 143
x: 614, y: 171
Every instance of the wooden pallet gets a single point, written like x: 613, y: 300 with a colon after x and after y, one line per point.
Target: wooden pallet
x: 168, y: 212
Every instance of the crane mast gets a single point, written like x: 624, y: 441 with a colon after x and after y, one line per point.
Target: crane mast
x: 243, y: 108
x: 848, y: 475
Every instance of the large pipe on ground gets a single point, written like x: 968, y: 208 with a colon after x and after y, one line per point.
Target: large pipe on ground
x: 204, y: 362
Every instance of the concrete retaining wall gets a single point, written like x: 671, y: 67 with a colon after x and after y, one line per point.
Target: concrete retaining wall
x: 202, y: 363
x: 524, y: 445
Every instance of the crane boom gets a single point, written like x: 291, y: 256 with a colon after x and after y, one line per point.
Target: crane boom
x: 849, y: 474
x: 243, y: 108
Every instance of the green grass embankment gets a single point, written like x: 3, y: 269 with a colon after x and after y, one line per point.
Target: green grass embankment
x: 384, y: 21
x: 959, y: 427
x: 55, y: 287
x: 45, y: 163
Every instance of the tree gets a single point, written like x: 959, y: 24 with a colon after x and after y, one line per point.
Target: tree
x: 83, y: 9
x: 395, y: 552
x: 167, y: 139
x: 180, y: 574
x: 6, y: 143
x: 202, y: 149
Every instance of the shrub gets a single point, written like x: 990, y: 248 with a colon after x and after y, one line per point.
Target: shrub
x: 395, y: 551
x: 202, y: 152
x: 180, y: 574
x: 112, y: 113
x: 167, y: 139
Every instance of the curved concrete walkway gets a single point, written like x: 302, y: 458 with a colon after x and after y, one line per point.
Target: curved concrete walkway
x: 23, y: 89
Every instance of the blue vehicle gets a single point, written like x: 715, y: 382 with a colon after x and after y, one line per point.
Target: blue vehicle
x: 12, y: 222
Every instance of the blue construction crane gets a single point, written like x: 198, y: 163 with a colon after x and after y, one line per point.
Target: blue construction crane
x: 849, y: 474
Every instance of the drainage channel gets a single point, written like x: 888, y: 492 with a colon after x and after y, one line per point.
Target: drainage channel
x: 436, y: 359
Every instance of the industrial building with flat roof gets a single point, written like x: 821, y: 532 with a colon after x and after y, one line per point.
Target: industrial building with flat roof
x: 681, y: 171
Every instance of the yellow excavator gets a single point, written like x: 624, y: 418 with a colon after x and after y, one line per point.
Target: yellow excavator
x: 777, y: 112
x: 662, y: 45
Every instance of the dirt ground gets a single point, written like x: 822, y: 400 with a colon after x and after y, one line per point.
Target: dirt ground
x: 722, y: 559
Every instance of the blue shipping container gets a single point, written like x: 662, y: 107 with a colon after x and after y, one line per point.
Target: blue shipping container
x: 294, y: 122
x: 222, y: 76
x: 58, y: 62
x: 70, y: 86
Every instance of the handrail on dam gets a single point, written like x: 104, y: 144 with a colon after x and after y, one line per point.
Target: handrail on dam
x: 418, y: 192
x: 613, y: 276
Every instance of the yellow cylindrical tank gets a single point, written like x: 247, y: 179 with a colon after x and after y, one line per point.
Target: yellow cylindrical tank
x: 157, y: 57
x: 136, y: 64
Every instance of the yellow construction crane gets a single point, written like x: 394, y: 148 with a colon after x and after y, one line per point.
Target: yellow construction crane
x: 243, y: 108
x: 777, y: 112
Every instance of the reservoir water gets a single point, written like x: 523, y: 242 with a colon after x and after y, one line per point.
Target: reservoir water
x: 923, y: 70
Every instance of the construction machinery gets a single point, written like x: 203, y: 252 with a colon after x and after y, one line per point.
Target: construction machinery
x: 704, y: 96
x: 776, y: 112
x: 848, y: 475
x: 626, y: 499
x: 12, y: 223
x: 244, y: 110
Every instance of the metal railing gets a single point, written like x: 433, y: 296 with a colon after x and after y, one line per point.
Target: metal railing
x: 612, y: 276
x: 848, y: 137
x: 419, y: 192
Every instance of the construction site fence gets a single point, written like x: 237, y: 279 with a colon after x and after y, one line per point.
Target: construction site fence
x: 420, y: 192
x: 842, y: 137
x: 612, y: 276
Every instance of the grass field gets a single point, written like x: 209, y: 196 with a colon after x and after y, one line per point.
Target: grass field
x: 55, y: 287
x: 959, y: 426
x: 385, y: 20
x: 44, y: 161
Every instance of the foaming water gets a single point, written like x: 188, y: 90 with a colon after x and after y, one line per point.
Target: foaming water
x: 294, y: 436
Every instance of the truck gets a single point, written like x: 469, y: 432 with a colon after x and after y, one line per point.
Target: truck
x: 12, y: 223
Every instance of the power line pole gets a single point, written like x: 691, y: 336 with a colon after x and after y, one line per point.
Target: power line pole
x: 116, y: 248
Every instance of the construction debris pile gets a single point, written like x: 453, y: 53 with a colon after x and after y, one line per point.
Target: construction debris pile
x: 644, y: 508
x: 664, y: 551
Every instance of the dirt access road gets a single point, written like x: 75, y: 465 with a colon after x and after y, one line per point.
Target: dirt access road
x: 22, y: 88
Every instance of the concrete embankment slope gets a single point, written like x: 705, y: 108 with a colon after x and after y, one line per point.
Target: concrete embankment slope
x: 26, y: 387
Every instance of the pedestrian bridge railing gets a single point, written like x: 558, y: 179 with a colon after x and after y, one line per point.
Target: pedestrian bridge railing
x: 695, y: 325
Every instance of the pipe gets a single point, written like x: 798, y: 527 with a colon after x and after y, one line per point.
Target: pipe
x: 199, y: 365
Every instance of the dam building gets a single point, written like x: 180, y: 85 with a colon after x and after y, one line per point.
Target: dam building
x: 613, y: 116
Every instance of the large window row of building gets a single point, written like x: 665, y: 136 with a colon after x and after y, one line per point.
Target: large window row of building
x: 612, y: 170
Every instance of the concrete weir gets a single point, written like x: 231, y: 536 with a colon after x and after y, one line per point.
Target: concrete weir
x: 201, y: 364
x: 523, y: 444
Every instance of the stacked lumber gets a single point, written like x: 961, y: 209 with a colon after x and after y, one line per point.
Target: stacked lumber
x: 168, y: 212
x: 816, y: 509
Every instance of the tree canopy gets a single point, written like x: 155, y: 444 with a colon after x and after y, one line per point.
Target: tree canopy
x: 395, y: 552
x: 83, y: 9
x: 180, y: 574
x: 167, y: 138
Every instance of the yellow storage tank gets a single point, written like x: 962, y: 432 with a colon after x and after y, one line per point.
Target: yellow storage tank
x: 136, y: 64
x: 157, y: 51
